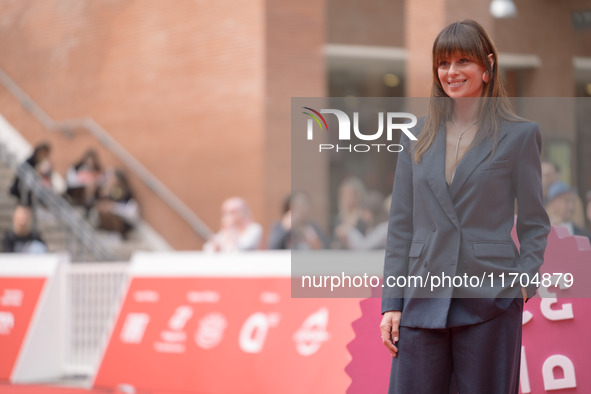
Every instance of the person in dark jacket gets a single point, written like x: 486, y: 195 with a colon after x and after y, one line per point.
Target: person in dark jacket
x: 40, y: 153
x: 296, y: 230
x: 22, y: 238
x: 452, y: 212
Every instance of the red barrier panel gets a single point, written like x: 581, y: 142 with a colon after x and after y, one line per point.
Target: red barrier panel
x: 226, y: 324
x: 27, y: 317
x: 18, y: 299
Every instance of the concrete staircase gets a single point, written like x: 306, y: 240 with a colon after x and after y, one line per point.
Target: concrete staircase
x: 57, y: 235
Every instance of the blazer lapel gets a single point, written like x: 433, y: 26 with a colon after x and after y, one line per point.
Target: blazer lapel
x: 434, y: 166
x: 472, y: 159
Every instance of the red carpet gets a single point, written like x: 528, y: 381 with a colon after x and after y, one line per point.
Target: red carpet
x: 6, y: 388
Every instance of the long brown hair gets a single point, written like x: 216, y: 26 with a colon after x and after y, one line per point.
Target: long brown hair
x: 469, y: 38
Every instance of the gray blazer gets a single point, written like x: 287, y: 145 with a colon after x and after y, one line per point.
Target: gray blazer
x: 465, y: 228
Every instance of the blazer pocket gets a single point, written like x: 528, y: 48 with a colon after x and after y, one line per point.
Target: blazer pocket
x: 416, y: 248
x: 497, y: 164
x: 494, y: 249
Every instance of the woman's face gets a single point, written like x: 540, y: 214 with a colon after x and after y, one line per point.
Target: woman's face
x: 460, y: 76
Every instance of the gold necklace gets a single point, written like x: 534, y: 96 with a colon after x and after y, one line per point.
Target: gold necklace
x: 460, y: 135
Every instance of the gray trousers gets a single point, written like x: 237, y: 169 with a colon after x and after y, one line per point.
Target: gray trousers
x: 482, y: 358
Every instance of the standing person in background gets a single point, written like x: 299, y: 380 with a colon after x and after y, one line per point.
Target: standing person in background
x: 22, y: 238
x: 238, y: 230
x: 37, y: 161
x: 49, y: 178
x: 452, y: 213
x: 296, y: 230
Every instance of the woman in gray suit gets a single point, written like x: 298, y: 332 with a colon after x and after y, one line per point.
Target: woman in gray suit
x: 452, y: 211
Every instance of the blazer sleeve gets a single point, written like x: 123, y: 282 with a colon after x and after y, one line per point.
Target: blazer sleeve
x: 532, y: 224
x: 400, y: 229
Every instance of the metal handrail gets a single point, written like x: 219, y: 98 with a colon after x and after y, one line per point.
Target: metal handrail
x: 80, y: 228
x: 92, y: 127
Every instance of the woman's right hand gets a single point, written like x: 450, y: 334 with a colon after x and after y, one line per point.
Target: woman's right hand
x: 389, y: 328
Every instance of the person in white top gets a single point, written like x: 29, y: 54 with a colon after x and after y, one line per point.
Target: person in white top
x: 238, y: 230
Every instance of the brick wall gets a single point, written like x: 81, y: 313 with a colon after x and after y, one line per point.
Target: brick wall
x: 180, y: 86
x: 199, y: 91
x: 367, y: 22
x: 295, y: 35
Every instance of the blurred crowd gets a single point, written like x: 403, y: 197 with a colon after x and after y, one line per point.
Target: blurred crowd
x: 103, y: 196
x: 362, y: 218
x: 360, y: 223
x: 106, y: 199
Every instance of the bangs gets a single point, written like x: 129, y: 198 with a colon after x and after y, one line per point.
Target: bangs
x: 459, y: 38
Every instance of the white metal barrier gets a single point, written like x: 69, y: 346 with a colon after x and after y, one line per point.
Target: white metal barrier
x: 91, y: 294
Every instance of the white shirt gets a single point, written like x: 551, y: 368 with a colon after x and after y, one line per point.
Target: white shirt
x: 231, y: 239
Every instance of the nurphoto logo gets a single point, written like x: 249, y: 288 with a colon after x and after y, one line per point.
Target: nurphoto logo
x: 344, y: 130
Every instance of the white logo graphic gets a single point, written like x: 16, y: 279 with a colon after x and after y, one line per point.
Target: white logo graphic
x: 134, y: 328
x: 180, y: 317
x: 269, y: 297
x: 345, y: 125
x: 12, y: 297
x: 149, y: 296
x: 344, y: 130
x: 254, y: 331
x: 173, y: 339
x: 6, y: 323
x: 204, y: 296
x: 210, y: 331
x: 312, y: 333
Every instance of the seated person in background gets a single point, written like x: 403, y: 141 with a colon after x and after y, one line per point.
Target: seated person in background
x: 40, y: 154
x: 375, y: 216
x: 238, y: 230
x: 84, y: 178
x: 115, y: 209
x: 296, y: 230
x: 22, y: 238
x: 560, y: 205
